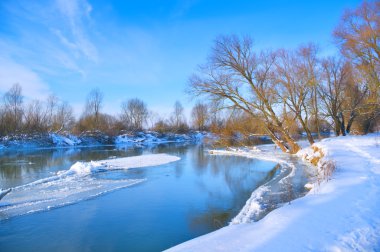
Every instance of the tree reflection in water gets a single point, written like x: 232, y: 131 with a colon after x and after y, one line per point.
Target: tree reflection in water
x: 238, y: 177
x: 18, y: 167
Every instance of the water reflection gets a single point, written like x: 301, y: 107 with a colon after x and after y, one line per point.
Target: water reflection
x: 24, y: 166
x: 225, y: 182
x: 185, y: 199
x: 212, y: 219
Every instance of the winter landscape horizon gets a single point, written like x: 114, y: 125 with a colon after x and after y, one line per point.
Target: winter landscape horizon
x: 189, y: 125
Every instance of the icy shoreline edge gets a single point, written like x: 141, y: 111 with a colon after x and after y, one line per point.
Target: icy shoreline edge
x: 341, y: 214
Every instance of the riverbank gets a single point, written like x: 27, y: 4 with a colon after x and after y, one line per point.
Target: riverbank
x: 340, y: 213
x: 136, y: 139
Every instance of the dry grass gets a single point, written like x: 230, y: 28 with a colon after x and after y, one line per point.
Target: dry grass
x: 316, y: 157
x: 326, y: 168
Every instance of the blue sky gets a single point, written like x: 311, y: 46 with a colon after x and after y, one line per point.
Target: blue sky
x: 144, y: 49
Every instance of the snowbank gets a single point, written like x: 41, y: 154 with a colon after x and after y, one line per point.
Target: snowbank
x: 150, y: 137
x: 68, y: 140
x: 341, y: 214
x: 96, y: 138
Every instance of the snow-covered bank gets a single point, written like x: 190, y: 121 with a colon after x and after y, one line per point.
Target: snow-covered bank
x: 138, y: 139
x: 79, y: 182
x: 342, y: 214
x: 287, y: 183
x: 150, y: 137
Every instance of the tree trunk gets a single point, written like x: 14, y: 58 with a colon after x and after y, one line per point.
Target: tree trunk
x: 350, y: 121
x: 337, y: 125
x: 275, y: 140
x: 309, y: 137
x: 286, y: 142
x: 306, y: 129
x: 342, y: 128
x: 315, y: 105
x: 293, y: 146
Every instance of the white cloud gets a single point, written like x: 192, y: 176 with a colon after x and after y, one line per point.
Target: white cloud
x: 32, y: 85
x: 77, y: 13
x: 57, y: 36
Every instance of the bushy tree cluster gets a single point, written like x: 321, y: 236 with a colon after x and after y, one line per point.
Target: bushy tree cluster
x: 34, y: 117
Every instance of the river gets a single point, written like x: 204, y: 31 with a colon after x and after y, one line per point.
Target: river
x: 166, y: 204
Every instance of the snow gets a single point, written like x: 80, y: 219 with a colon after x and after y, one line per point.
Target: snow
x: 85, y: 168
x: 289, y: 173
x: 150, y: 137
x: 65, y: 139
x: 75, y: 184
x: 338, y: 214
x: 252, y: 208
x: 268, y: 155
x: 61, y: 140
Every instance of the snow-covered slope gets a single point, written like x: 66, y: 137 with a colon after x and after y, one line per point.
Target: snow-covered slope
x: 341, y: 214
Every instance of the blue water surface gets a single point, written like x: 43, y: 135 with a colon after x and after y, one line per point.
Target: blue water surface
x: 176, y: 202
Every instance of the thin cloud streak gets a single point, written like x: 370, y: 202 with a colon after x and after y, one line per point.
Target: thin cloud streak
x: 77, y: 14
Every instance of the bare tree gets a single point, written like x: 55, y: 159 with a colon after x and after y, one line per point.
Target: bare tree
x: 134, y: 114
x: 311, y: 68
x: 35, y: 117
x: 355, y: 102
x: 358, y: 36
x: 63, y: 119
x: 93, y: 105
x: 243, y: 79
x: 335, y: 75
x: 216, y: 119
x: 152, y: 119
x: 199, y: 115
x: 51, y: 106
x: 295, y: 73
x: 177, y: 117
x: 13, y: 109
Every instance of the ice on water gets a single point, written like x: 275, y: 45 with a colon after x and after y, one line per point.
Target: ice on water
x: 75, y: 184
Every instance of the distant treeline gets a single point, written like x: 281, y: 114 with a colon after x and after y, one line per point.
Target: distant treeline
x: 54, y: 115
